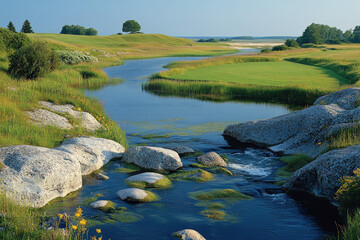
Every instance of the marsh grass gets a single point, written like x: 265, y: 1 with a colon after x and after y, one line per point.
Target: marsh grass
x: 293, y: 163
x: 345, y: 137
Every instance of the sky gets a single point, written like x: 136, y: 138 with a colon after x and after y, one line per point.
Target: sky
x: 184, y: 17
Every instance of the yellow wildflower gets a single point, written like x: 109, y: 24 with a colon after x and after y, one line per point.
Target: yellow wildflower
x: 98, y: 230
x: 82, y: 222
x: 60, y: 216
x: 77, y: 215
x: 74, y: 227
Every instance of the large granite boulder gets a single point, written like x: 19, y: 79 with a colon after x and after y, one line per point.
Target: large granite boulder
x: 35, y: 175
x: 91, y: 152
x: 154, y: 158
x: 44, y: 117
x: 211, y: 159
x: 188, y: 234
x: 305, y: 131
x: 321, y: 177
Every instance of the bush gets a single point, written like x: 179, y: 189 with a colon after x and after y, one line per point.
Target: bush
x: 75, y: 57
x: 265, y: 50
x: 349, y: 193
x: 280, y: 48
x: 291, y: 43
x: 11, y: 40
x: 32, y: 61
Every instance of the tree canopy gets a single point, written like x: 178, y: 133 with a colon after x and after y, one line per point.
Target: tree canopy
x: 131, y: 26
x: 78, y: 30
x: 11, y: 27
x: 26, y: 28
x: 320, y: 34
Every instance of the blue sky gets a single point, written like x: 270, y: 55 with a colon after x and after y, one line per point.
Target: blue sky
x: 184, y: 17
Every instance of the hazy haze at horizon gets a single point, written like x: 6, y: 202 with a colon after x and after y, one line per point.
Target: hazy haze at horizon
x: 186, y: 17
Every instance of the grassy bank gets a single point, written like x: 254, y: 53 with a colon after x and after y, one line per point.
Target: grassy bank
x: 296, y: 77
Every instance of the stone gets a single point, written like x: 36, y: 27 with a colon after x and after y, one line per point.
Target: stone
x: 148, y: 179
x: 99, y: 204
x: 346, y: 99
x: 34, y: 176
x: 101, y: 176
x: 211, y: 159
x: 46, y: 118
x: 181, y: 150
x: 321, y: 176
x: 91, y: 152
x: 188, y: 234
x: 87, y: 121
x: 154, y: 158
x: 135, y: 195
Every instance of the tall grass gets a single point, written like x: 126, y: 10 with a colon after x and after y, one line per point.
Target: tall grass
x: 345, y: 137
x: 350, y: 72
x: 223, y: 91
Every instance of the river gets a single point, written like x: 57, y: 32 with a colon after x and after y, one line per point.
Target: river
x: 199, y: 125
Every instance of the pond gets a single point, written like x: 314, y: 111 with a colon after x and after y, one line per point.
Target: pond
x: 160, y: 121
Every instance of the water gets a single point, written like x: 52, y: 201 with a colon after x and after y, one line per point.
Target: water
x: 199, y: 125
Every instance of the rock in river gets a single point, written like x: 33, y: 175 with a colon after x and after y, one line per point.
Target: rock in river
x: 188, y: 234
x: 136, y: 195
x: 91, y: 152
x: 154, y: 158
x: 211, y: 159
x: 180, y: 149
x: 321, y: 177
x: 35, y: 175
x: 148, y: 179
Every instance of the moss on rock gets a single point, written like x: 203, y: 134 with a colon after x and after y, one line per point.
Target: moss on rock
x: 219, y: 194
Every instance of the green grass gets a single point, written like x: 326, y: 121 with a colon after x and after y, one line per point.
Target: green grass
x: 277, y: 74
x: 293, y: 163
x: 352, y: 229
x: 345, y: 137
x: 219, y: 194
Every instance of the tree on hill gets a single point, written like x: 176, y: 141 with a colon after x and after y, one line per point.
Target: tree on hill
x: 11, y: 27
x: 356, y: 35
x: 26, y: 28
x: 291, y: 43
x: 78, y: 30
x: 131, y: 26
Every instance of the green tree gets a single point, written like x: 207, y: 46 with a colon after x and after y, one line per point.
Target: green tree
x: 347, y: 37
x: 26, y: 28
x: 356, y: 35
x: 291, y: 43
x: 131, y: 26
x: 11, y: 27
x: 33, y: 60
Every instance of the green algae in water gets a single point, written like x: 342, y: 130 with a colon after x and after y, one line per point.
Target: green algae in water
x: 211, y: 205
x: 154, y: 135
x: 220, y: 194
x: 58, y: 204
x: 128, y: 168
x: 212, y: 169
x: 195, y: 175
x: 214, y: 214
x: 92, y: 199
x: 118, y: 215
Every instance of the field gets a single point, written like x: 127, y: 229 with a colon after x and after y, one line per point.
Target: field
x: 268, y: 74
x: 301, y: 75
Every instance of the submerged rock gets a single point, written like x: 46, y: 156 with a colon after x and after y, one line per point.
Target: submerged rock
x: 99, y: 204
x: 148, y: 179
x: 34, y: 176
x: 101, y: 176
x: 154, y: 158
x: 321, y: 177
x: 136, y: 195
x: 91, y: 152
x: 180, y: 149
x: 188, y: 234
x: 211, y: 159
x: 46, y: 118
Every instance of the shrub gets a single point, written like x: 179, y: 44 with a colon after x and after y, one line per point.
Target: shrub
x: 11, y: 40
x: 75, y: 57
x: 280, y: 48
x: 349, y: 193
x: 32, y: 61
x: 265, y: 50
x: 291, y: 43
x: 78, y: 30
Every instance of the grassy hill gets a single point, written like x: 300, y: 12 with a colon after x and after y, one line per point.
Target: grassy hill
x: 131, y: 46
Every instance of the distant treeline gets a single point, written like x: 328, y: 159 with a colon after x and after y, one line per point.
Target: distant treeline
x: 320, y: 34
x: 78, y: 30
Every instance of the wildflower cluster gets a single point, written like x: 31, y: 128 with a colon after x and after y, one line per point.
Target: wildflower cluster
x: 349, y: 192
x: 102, y: 121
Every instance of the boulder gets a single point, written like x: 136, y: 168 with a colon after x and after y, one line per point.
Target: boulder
x: 148, y: 179
x: 321, y: 177
x: 87, y: 121
x: 99, y: 204
x: 346, y: 99
x: 154, y: 158
x: 34, y: 176
x: 180, y: 149
x: 91, y: 152
x: 46, y: 118
x: 136, y: 195
x: 211, y: 159
x: 188, y: 234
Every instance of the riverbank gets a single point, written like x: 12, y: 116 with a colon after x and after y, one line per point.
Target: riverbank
x: 263, y: 77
